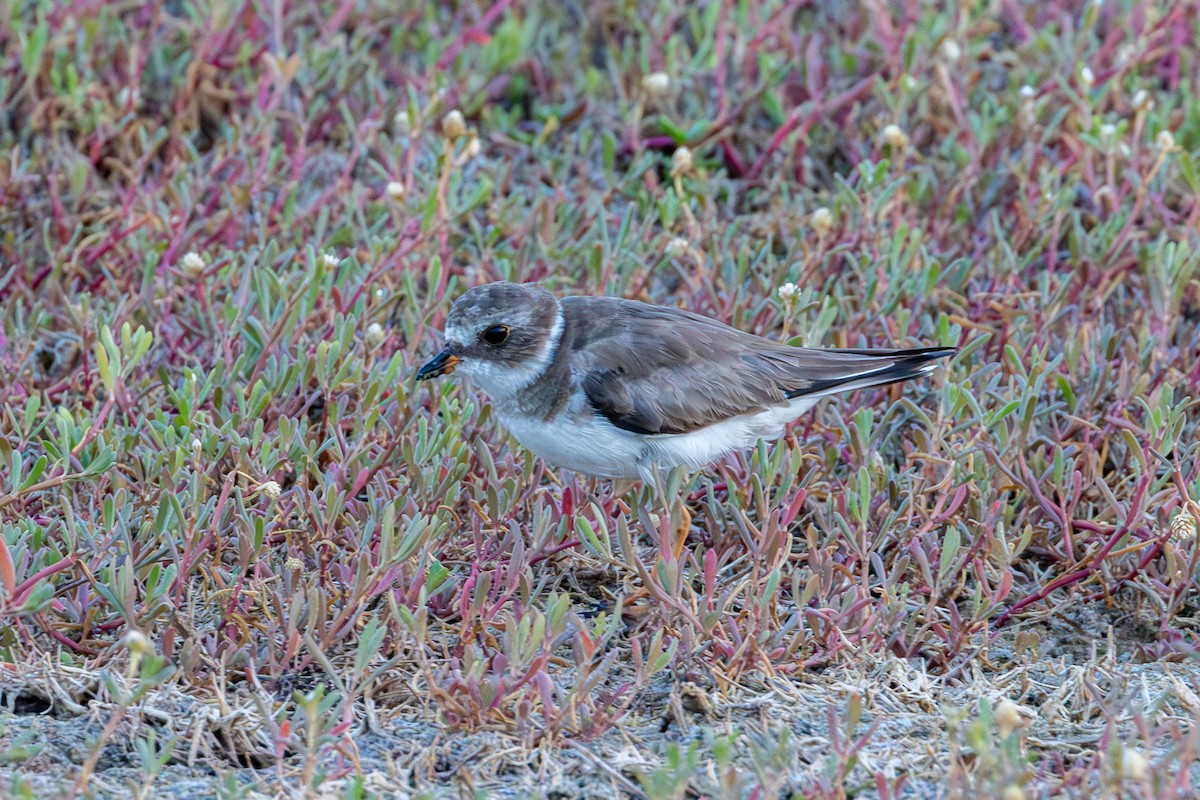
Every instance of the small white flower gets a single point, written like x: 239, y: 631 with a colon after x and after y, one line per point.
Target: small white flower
x: 454, y: 126
x: 1028, y: 92
x: 1165, y: 141
x: 271, y: 489
x: 822, y: 221
x: 678, y: 246
x: 950, y: 50
x: 379, y: 294
x: 1108, y: 131
x: 910, y: 83
x: 402, y: 122
x: 1133, y: 764
x: 395, y: 190
x: 330, y: 260
x: 788, y: 291
x: 192, y: 264
x: 472, y: 148
x: 197, y: 447
x: 894, y: 137
x: 1087, y: 77
x: 374, y: 335
x: 656, y: 84
x: 681, y: 161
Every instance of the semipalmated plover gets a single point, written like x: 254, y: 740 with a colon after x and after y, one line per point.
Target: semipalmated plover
x: 615, y: 388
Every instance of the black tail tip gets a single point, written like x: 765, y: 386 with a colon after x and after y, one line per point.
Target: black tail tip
x: 914, y: 356
x: 930, y: 353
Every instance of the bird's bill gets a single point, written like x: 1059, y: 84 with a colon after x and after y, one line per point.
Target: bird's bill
x: 441, y: 364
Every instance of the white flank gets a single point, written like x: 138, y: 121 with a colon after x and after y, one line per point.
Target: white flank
x: 709, y: 443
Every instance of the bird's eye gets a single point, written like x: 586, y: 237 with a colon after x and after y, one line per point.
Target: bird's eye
x: 495, y: 335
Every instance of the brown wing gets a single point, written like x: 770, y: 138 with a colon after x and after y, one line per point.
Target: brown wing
x: 655, y: 370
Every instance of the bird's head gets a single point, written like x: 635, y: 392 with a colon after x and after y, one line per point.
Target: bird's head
x: 501, y: 335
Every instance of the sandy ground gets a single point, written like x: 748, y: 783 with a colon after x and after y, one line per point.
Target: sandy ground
x: 1079, y: 698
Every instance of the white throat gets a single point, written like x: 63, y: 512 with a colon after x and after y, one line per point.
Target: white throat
x: 505, y: 381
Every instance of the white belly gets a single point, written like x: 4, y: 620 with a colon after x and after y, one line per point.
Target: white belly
x: 590, y: 444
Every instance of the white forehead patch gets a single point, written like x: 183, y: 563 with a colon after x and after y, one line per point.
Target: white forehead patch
x: 456, y: 334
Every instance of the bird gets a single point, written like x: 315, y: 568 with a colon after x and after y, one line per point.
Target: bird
x: 617, y: 388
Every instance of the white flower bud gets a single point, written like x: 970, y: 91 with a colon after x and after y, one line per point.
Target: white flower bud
x: 192, y: 264
x: 472, y: 149
x: 1108, y: 131
x: 788, y: 291
x: 1087, y: 77
x: 270, y: 489
x: 402, y: 122
x: 1165, y: 141
x: 656, y: 84
x: 822, y: 221
x: 1183, y: 527
x: 197, y: 447
x: 681, y: 161
x: 1028, y: 92
x: 453, y: 125
x: 374, y: 335
x: 894, y: 137
x: 395, y: 190
x: 950, y: 50
x: 678, y: 246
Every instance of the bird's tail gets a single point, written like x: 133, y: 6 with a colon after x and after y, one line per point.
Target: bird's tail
x: 847, y: 370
